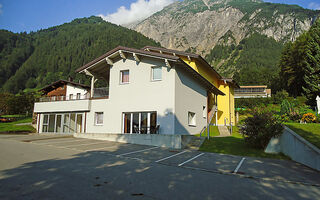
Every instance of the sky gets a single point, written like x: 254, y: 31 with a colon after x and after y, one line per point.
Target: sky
x: 32, y: 15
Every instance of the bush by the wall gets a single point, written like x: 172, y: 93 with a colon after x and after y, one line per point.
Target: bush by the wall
x: 260, y: 128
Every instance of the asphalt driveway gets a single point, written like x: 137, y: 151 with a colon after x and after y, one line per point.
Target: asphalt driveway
x: 55, y: 166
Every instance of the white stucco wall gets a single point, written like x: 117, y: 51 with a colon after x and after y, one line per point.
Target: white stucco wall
x: 71, y: 89
x: 140, y: 95
x: 62, y: 106
x: 189, y: 96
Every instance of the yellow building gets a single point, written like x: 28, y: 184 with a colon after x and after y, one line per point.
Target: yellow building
x: 221, y: 108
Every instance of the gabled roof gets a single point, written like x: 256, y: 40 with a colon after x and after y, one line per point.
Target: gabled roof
x: 182, y: 53
x: 128, y: 50
x: 172, y: 58
x: 59, y: 83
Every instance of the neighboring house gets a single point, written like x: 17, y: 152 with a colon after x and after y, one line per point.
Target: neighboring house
x: 55, y: 115
x: 150, y: 90
x: 252, y: 91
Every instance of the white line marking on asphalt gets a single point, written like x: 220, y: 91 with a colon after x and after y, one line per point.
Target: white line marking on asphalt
x: 137, y: 151
x: 85, y: 144
x: 170, y: 156
x: 101, y: 148
x: 190, y: 159
x: 239, y: 165
x: 59, y: 147
x: 56, y: 142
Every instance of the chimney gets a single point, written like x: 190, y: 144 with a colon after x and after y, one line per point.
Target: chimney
x: 70, y: 79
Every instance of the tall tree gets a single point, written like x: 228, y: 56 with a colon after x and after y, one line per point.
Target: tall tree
x: 312, y: 64
x: 300, y: 65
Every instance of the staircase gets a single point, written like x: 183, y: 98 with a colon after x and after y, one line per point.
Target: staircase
x: 224, y: 131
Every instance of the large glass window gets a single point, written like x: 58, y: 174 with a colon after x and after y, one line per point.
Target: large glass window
x: 140, y: 122
x: 156, y: 73
x: 124, y: 76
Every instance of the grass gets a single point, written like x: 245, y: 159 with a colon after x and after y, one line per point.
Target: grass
x: 213, y: 131
x: 235, y: 145
x: 13, y: 127
x: 310, y: 132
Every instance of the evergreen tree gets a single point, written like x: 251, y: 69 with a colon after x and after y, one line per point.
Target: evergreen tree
x: 300, y: 65
x: 312, y: 65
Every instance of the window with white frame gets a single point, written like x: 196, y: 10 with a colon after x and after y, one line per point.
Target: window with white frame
x: 124, y: 76
x: 70, y: 96
x: 99, y: 118
x: 78, y: 95
x: 45, y: 123
x: 192, y: 119
x: 156, y: 73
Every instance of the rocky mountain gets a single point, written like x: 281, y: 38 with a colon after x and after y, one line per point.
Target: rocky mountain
x: 242, y: 39
x: 199, y: 25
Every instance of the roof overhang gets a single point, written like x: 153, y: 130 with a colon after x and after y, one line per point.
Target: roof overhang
x: 231, y: 81
x: 122, y: 52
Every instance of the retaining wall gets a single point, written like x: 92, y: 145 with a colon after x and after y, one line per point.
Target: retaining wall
x: 171, y: 141
x: 296, y: 147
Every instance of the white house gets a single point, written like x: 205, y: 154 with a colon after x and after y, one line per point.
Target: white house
x: 146, y: 92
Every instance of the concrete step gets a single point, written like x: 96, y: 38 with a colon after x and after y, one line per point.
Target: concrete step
x: 224, y: 131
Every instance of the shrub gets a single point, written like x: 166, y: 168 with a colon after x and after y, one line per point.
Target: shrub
x: 308, y: 118
x: 260, y: 128
x: 280, y: 96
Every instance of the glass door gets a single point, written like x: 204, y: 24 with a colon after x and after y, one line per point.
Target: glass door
x: 139, y: 122
x: 79, y: 123
x: 127, y: 123
x: 58, y: 124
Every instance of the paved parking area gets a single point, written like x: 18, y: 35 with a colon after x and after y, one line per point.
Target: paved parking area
x: 247, y: 167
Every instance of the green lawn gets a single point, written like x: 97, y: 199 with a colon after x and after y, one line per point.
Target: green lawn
x: 12, y: 127
x: 213, y: 131
x: 310, y: 132
x: 235, y: 145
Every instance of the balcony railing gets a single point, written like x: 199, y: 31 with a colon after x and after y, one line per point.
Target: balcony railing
x: 98, y: 93
x: 64, y: 98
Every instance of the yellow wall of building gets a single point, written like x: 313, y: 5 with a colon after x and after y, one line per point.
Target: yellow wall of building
x: 225, y: 103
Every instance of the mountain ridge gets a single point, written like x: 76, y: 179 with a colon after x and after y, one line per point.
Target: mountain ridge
x: 198, y: 25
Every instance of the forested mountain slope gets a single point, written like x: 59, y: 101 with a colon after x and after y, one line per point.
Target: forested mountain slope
x: 39, y: 58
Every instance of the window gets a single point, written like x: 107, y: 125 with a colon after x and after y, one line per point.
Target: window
x: 78, y: 95
x: 156, y: 73
x: 70, y: 96
x: 124, y: 76
x: 204, y: 112
x: 140, y: 122
x: 45, y: 123
x: 191, y: 119
x: 99, y: 118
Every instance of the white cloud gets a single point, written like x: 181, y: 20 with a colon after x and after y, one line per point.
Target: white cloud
x: 1, y: 8
x: 314, y: 6
x: 138, y: 10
